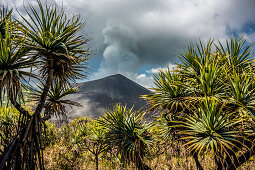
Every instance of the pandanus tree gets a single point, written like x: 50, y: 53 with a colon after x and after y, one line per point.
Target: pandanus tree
x: 208, y: 101
x: 90, y: 136
x: 127, y: 133
x: 56, y: 100
x: 47, y: 40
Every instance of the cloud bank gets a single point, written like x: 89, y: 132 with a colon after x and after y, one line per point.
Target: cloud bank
x: 131, y: 34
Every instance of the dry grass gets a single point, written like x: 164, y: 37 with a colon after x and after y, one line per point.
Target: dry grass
x: 60, y: 156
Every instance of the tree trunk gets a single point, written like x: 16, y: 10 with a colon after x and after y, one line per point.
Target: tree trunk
x: 19, y: 108
x: 218, y: 162
x: 146, y: 167
x: 96, y: 160
x: 46, y: 88
x: 29, y: 141
x: 142, y: 166
x: 195, y: 156
x: 240, y: 160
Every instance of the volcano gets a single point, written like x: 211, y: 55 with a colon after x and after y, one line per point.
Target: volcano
x: 98, y: 95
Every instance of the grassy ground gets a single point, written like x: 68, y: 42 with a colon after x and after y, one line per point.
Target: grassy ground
x: 64, y: 156
x: 56, y: 159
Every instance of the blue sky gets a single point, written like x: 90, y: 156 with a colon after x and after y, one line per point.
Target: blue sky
x: 136, y: 37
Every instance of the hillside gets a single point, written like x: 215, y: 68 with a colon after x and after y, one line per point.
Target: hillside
x: 96, y: 95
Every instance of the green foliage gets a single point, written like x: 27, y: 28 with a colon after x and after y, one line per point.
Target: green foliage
x: 5, y: 15
x: 168, y: 91
x: 241, y: 93
x: 46, y: 40
x: 53, y: 36
x: 211, y: 129
x: 8, y: 126
x: 68, y: 148
x: 127, y: 132
x: 208, y: 101
x: 50, y: 134
x: 56, y: 104
x: 91, y: 136
x: 13, y: 62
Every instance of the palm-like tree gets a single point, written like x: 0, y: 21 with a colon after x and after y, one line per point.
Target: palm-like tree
x: 211, y: 129
x: 217, y: 90
x: 91, y: 136
x: 127, y: 133
x: 169, y: 91
x: 47, y: 40
x: 13, y: 63
x: 56, y: 101
x: 241, y: 94
x: 53, y: 39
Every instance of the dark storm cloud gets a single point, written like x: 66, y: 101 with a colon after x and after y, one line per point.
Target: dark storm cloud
x: 130, y: 33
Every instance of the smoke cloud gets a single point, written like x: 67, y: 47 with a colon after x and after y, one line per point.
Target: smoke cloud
x: 131, y: 35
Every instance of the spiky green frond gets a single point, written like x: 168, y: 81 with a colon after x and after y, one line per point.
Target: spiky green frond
x: 216, y: 88
x: 54, y: 36
x: 56, y: 101
x: 241, y: 93
x: 14, y: 63
x: 127, y: 132
x: 5, y: 15
x: 168, y: 92
x: 237, y: 51
x: 210, y: 129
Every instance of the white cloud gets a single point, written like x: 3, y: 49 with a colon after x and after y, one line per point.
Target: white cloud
x: 156, y: 70
x: 128, y: 34
x: 153, y: 32
x: 142, y: 79
x: 141, y: 76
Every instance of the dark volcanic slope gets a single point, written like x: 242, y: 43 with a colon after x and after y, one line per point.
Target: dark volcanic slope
x: 96, y: 95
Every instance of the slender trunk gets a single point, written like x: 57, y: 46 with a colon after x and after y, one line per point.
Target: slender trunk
x: 195, y: 156
x: 146, y: 167
x: 38, y: 110
x: 32, y: 142
x: 241, y: 159
x: 4, y: 158
x: 230, y: 159
x: 20, y: 108
x: 96, y: 160
x: 142, y: 166
x: 46, y: 88
x: 218, y: 162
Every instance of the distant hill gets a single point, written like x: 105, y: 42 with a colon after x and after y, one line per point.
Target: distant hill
x: 96, y: 95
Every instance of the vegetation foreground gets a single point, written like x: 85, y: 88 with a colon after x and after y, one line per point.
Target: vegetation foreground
x: 205, y: 107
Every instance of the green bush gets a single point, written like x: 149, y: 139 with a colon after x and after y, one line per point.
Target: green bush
x: 9, y: 118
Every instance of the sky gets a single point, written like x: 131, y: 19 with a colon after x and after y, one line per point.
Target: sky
x: 137, y: 37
